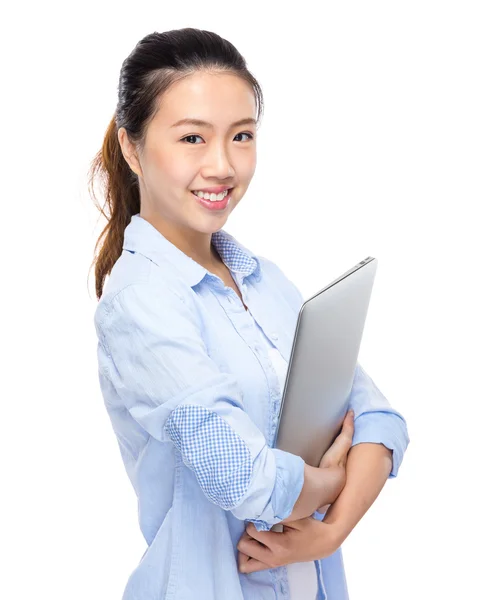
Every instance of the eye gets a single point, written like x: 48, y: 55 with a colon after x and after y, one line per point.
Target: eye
x: 251, y: 136
x: 189, y: 137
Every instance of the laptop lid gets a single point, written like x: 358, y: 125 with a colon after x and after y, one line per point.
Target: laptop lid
x: 323, y: 359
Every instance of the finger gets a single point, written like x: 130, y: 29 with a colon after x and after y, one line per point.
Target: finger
x: 298, y: 524
x: 341, y: 445
x: 348, y: 424
x: 337, y: 452
x: 242, y: 560
x: 265, y: 537
x: 254, y: 549
x: 347, y: 433
x: 347, y: 429
x: 252, y: 565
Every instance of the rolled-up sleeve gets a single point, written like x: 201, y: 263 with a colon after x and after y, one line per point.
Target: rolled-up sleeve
x: 375, y: 420
x: 152, y: 351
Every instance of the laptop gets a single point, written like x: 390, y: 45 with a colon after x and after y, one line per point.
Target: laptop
x: 323, y: 359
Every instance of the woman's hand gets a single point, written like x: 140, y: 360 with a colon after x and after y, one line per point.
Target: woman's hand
x: 302, y: 540
x: 336, y: 456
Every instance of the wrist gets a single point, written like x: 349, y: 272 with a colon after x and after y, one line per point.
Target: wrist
x: 313, y: 494
x: 336, y: 530
x: 319, y: 485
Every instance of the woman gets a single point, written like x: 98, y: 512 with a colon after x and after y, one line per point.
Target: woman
x: 194, y: 334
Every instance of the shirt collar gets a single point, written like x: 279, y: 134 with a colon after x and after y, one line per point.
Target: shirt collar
x: 142, y: 237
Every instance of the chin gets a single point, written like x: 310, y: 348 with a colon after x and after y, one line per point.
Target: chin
x: 211, y: 225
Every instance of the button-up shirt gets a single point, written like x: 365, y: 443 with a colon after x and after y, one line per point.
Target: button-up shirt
x: 193, y: 400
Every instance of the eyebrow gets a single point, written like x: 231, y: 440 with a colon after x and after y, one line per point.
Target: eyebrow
x: 201, y: 123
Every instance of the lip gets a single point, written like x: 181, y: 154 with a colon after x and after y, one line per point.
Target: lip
x: 215, y: 206
x: 214, y: 190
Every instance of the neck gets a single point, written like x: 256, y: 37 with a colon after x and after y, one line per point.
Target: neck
x: 195, y: 244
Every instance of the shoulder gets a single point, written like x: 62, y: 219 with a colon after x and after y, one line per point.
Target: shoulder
x: 137, y: 287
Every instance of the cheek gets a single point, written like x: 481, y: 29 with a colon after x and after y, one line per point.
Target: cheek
x: 247, y: 173
x: 245, y: 166
x: 249, y: 165
x: 167, y: 167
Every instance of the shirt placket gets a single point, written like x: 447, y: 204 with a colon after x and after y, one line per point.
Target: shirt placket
x: 245, y: 327
x: 279, y: 576
x: 258, y: 348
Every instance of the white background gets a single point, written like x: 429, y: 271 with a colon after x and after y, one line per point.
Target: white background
x: 378, y: 139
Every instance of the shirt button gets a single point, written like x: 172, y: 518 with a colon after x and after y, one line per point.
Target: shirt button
x: 274, y: 336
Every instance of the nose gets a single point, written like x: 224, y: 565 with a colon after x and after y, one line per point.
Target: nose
x: 218, y: 163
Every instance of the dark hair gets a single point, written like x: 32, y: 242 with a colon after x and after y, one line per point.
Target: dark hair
x: 156, y: 62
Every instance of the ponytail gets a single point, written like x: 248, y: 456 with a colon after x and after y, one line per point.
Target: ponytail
x: 121, y: 193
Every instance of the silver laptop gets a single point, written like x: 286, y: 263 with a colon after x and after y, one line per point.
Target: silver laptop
x: 323, y: 359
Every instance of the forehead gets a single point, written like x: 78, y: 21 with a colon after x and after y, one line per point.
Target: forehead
x: 219, y: 98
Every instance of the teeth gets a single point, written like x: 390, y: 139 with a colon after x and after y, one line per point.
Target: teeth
x: 211, y: 197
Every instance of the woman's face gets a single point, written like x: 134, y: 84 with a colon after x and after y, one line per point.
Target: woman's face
x: 178, y: 159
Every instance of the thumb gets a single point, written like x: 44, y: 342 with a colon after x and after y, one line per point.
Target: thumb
x: 337, y: 453
x: 343, y: 441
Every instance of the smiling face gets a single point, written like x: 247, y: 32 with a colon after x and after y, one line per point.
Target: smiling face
x: 177, y: 159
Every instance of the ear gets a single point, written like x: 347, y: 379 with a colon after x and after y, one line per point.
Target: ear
x: 129, y: 151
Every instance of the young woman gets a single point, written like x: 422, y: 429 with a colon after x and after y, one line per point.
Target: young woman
x: 194, y: 335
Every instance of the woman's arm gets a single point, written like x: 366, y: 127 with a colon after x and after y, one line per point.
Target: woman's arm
x: 368, y: 468
x: 317, y: 490
x: 152, y: 352
x: 323, y: 484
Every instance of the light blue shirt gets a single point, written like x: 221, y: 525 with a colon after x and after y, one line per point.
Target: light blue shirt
x: 193, y: 400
